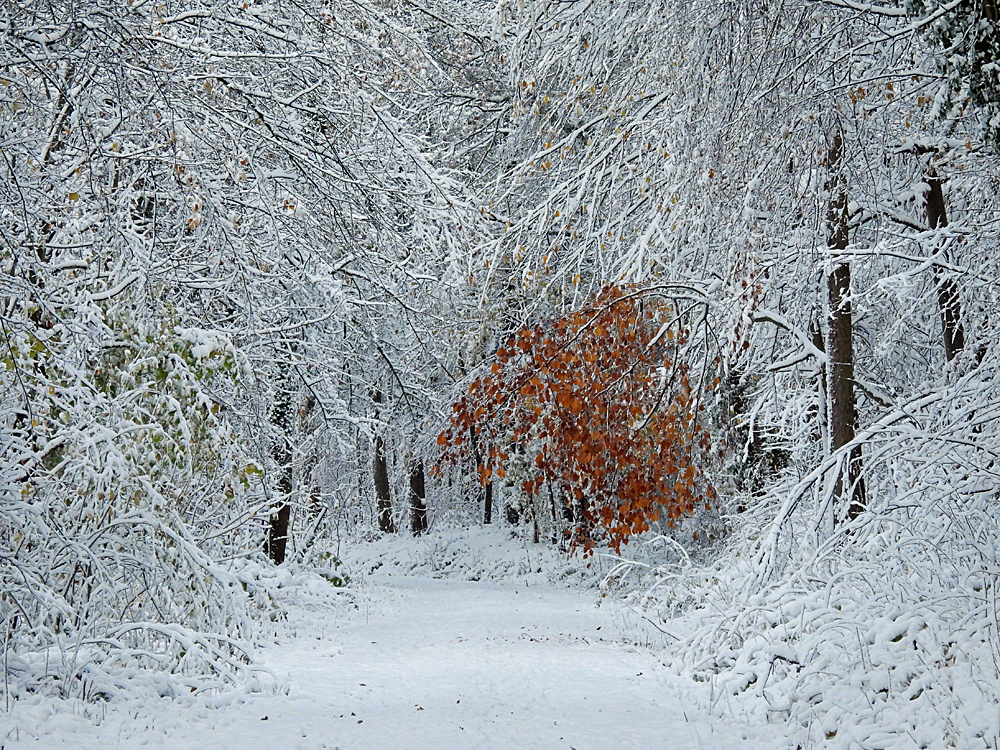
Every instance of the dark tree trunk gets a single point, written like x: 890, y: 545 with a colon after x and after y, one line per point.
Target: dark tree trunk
x: 418, y: 504
x: 949, y: 302
x: 382, y: 494
x: 277, y: 532
x: 278, y: 522
x: 488, y: 483
x: 843, y: 418
x: 380, y: 471
x: 555, y: 515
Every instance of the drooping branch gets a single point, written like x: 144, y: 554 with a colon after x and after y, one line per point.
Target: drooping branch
x: 600, y: 408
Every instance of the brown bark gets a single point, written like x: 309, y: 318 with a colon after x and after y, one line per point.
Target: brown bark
x: 418, y: 504
x: 949, y: 301
x: 277, y: 531
x: 842, y: 414
x: 380, y: 474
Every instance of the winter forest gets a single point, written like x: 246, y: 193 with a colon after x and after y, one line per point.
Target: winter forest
x: 683, y: 308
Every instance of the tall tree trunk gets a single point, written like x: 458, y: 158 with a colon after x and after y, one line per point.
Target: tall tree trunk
x: 842, y: 414
x: 949, y: 302
x: 488, y: 484
x: 418, y: 504
x: 278, y: 522
x: 382, y: 494
x: 380, y: 470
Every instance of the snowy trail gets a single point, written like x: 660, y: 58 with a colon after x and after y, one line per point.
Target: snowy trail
x: 447, y: 665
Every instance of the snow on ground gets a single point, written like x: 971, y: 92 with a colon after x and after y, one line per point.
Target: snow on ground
x: 422, y: 662
x: 472, y: 554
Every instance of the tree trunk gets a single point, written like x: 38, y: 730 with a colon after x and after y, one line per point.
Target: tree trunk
x: 382, y: 494
x: 418, y: 505
x: 842, y: 415
x: 949, y: 302
x: 278, y: 522
x: 488, y: 484
x: 380, y: 471
x: 277, y: 532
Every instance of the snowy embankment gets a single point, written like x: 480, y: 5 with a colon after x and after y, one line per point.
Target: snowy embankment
x: 882, y: 637
x: 428, y: 660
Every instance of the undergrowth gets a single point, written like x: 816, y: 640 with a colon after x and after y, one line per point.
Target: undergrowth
x: 877, y: 633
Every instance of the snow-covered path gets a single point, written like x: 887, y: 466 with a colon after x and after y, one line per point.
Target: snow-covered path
x: 454, y: 664
x: 447, y: 665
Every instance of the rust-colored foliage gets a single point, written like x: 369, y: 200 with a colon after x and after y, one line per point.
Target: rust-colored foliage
x: 600, y: 404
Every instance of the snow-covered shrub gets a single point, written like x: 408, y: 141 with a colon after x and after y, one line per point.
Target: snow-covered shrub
x: 882, y: 633
x: 122, y: 483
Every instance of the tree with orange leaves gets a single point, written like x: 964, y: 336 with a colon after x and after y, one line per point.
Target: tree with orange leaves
x: 603, y: 409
